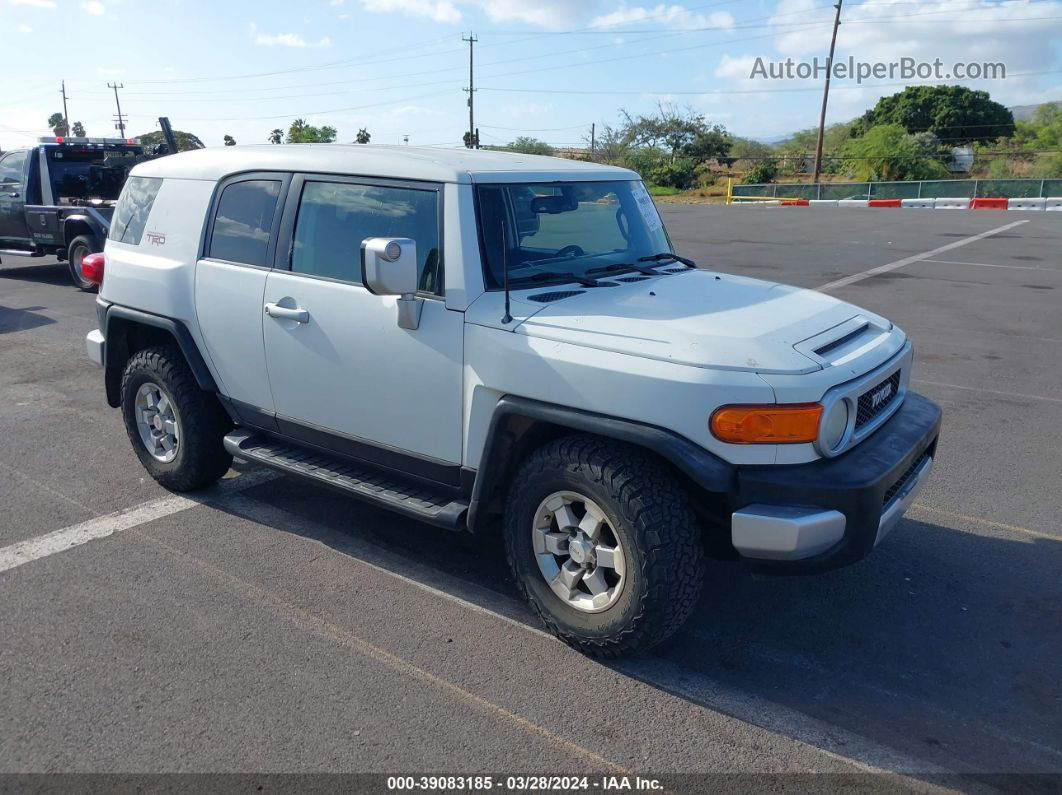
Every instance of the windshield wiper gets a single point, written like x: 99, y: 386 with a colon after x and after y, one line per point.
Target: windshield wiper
x: 543, y: 275
x: 618, y: 266
x: 666, y: 256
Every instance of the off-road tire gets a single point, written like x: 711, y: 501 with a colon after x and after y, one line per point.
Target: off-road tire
x: 649, y: 512
x: 201, y: 457
x: 80, y: 247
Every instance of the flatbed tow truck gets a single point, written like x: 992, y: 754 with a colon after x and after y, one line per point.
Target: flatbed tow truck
x: 58, y: 197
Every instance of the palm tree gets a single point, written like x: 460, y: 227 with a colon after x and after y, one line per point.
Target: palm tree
x: 277, y: 136
x: 362, y: 137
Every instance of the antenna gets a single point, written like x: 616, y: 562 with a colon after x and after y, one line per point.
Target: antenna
x: 507, y: 318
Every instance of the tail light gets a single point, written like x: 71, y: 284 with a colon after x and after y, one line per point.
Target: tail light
x: 92, y: 268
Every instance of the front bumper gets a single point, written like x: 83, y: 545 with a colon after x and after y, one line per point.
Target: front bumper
x: 809, y: 518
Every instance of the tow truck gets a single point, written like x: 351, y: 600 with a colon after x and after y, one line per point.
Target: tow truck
x: 58, y: 197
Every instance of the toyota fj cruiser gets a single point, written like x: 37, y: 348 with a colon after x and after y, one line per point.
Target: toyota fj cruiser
x: 468, y: 336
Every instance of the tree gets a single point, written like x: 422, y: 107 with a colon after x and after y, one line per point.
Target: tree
x: 362, y: 137
x: 277, y: 136
x: 470, y: 141
x: 529, y: 146
x: 79, y: 129
x: 954, y: 114
x: 58, y: 124
x: 230, y: 141
x: 682, y: 133
x: 302, y: 133
x: 887, y: 152
x: 185, y: 140
x: 764, y: 171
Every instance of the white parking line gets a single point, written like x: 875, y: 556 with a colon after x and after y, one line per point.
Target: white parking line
x: 102, y: 526
x: 891, y: 266
x: 986, y: 265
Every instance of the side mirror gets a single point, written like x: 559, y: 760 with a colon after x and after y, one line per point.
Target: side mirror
x: 389, y: 267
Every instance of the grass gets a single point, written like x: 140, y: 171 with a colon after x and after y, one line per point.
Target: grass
x: 661, y: 190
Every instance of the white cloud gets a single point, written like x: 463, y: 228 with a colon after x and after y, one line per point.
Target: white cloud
x: 25, y: 29
x: 675, y: 15
x: 437, y: 10
x: 104, y: 71
x: 34, y: 3
x: 286, y: 40
x: 735, y: 66
x: 94, y: 7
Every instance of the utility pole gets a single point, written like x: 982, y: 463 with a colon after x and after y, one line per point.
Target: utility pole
x: 593, y: 139
x: 66, y: 116
x: 120, y: 119
x: 826, y: 94
x: 472, y: 142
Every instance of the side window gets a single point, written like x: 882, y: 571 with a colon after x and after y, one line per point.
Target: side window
x: 11, y: 166
x: 334, y: 218
x: 243, y: 221
x: 134, y: 207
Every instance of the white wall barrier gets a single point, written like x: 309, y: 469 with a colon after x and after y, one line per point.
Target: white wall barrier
x: 1054, y: 203
x: 918, y: 204
x: 852, y: 203
x: 957, y: 203
x: 827, y: 202
x: 1027, y: 204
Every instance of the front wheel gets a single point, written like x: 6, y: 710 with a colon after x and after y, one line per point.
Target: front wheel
x: 176, y: 428
x: 603, y: 545
x: 79, y: 248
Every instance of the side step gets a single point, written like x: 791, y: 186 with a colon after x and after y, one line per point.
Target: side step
x: 393, y: 492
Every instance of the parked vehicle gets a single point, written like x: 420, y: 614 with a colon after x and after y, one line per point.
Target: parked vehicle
x: 465, y: 337
x: 57, y: 198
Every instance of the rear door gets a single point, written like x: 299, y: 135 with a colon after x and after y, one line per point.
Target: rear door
x: 230, y: 281
x: 348, y: 377
x: 12, y: 197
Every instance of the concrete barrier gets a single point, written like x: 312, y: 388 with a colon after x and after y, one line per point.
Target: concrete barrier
x: 1053, y: 203
x: 988, y: 204
x: 795, y: 202
x: 1027, y: 204
x: 852, y: 203
x: 957, y: 203
x: 918, y: 204
x: 824, y: 202
x: 883, y: 203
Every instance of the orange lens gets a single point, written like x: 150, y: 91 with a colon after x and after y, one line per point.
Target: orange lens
x: 793, y: 424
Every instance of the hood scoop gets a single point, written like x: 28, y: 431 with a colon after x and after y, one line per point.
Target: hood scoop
x: 556, y: 295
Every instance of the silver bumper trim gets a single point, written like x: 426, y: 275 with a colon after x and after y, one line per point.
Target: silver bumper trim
x: 94, y: 343
x: 784, y: 532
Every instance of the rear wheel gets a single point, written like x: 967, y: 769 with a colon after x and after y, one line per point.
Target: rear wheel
x: 176, y: 428
x: 79, y: 248
x: 603, y: 544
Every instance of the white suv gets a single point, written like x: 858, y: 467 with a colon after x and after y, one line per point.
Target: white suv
x: 463, y: 336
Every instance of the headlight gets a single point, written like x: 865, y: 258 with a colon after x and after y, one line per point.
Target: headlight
x: 833, y: 429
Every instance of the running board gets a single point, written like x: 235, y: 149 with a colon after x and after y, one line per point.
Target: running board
x: 395, y: 493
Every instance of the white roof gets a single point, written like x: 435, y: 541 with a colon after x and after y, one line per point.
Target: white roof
x: 395, y: 162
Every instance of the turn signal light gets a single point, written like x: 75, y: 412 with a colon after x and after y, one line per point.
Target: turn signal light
x: 796, y: 423
x: 92, y: 268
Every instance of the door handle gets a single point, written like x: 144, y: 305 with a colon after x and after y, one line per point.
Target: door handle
x: 13, y: 195
x: 284, y: 313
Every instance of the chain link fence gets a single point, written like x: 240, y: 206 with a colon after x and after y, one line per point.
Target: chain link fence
x: 929, y: 189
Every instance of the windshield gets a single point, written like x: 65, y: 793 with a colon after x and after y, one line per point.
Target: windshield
x: 84, y: 172
x: 565, y: 229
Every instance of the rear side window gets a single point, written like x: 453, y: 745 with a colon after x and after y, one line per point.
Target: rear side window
x: 134, y: 206
x: 11, y: 167
x: 243, y: 221
x: 334, y: 218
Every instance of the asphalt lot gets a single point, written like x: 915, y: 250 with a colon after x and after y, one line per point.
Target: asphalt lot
x: 283, y: 628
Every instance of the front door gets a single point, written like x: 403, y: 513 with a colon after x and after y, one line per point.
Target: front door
x: 343, y: 373
x: 13, y: 197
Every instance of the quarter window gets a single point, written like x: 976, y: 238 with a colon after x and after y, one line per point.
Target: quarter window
x: 335, y: 217
x: 134, y: 206
x: 243, y: 221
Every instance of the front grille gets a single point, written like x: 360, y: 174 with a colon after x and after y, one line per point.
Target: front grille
x: 867, y: 409
x: 901, y: 481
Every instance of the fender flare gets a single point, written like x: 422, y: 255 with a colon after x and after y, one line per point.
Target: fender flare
x: 178, y: 330
x: 707, y: 470
x: 89, y: 221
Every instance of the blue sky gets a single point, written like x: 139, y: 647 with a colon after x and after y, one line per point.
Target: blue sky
x: 546, y: 68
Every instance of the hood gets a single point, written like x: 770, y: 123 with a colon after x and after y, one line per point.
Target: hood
x: 698, y: 318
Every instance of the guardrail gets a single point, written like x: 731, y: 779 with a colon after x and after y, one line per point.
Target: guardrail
x: 914, y: 189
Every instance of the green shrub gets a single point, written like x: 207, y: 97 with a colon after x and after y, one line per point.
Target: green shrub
x: 764, y: 171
